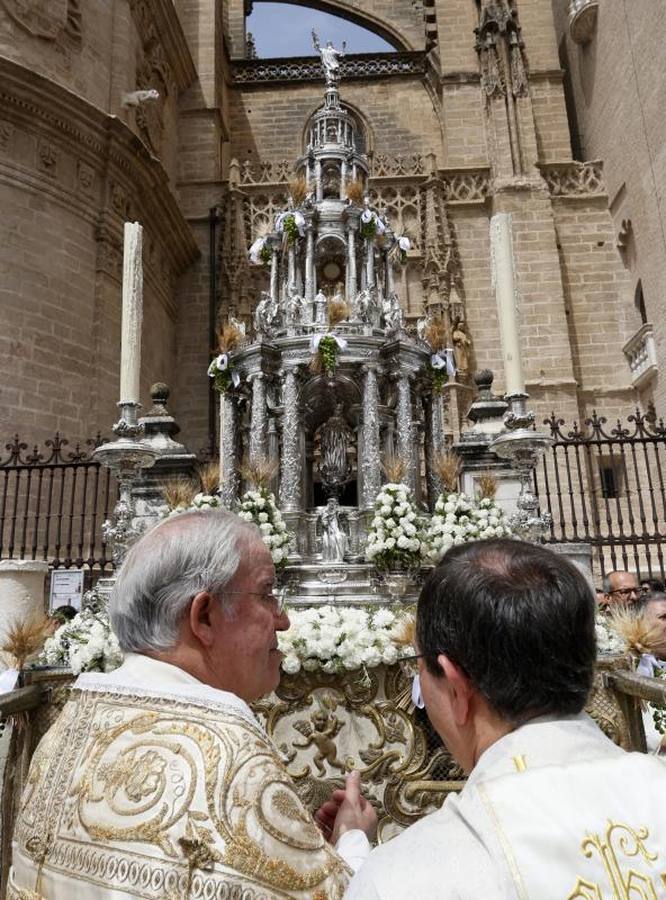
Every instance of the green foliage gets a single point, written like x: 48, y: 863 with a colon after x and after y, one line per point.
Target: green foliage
x: 438, y: 378
x: 290, y: 229
x: 265, y: 255
x: 368, y: 230
x: 328, y: 353
x: 222, y: 381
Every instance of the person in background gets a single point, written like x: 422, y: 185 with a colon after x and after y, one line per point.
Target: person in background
x: 621, y: 587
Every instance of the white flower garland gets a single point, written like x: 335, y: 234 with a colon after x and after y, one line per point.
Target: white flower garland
x: 339, y: 639
x: 260, y: 507
x: 458, y: 519
x: 395, y: 538
x: 86, y: 643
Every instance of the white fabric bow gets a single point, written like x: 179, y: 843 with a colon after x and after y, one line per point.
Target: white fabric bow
x: 316, y: 339
x: 404, y: 243
x: 221, y: 364
x: 299, y: 218
x: 444, y: 360
x: 255, y: 251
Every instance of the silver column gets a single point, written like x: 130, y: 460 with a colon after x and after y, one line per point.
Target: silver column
x: 291, y: 475
x: 371, y: 462
x: 309, y: 263
x: 229, y: 481
x: 258, y: 419
x: 275, y: 275
x: 352, y: 286
x: 404, y: 428
x: 434, y: 444
x: 370, y: 263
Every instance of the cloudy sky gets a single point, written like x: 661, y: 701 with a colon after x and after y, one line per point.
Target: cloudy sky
x: 281, y: 29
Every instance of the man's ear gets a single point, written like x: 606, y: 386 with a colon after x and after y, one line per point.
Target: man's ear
x: 202, y: 611
x: 460, y: 688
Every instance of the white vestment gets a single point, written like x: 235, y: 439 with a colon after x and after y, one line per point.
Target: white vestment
x: 151, y: 784
x: 551, y: 811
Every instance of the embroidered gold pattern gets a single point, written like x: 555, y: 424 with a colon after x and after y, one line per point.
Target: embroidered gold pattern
x: 185, y: 791
x: 628, y: 884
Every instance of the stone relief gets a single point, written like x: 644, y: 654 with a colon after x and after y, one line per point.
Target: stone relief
x: 48, y: 19
x: 48, y: 157
x: 6, y: 134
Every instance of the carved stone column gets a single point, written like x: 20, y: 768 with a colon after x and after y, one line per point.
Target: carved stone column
x: 229, y: 481
x: 370, y: 263
x: 371, y: 462
x: 404, y: 428
x: 291, y: 475
x: 258, y: 418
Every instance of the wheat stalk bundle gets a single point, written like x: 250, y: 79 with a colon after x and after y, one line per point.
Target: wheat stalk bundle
x: 25, y: 637
x: 635, y: 630
x: 259, y: 472
x: 355, y: 191
x: 209, y: 476
x: 298, y: 189
x: 229, y: 338
x: 179, y: 492
x: 394, y: 468
x: 447, y: 469
x: 487, y: 486
x: 435, y: 334
x: 338, y: 311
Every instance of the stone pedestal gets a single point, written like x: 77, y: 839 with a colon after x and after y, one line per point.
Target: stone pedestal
x: 579, y: 554
x: 21, y: 593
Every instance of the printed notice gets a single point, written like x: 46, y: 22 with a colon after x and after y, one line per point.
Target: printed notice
x: 66, y: 588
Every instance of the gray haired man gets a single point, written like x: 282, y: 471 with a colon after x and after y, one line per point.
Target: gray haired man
x: 157, y: 781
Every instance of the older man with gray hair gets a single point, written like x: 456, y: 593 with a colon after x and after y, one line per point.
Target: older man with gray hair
x: 157, y: 781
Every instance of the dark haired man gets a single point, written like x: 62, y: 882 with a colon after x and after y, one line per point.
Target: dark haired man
x: 506, y: 652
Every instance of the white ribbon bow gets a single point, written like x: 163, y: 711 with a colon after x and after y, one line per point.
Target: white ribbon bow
x: 316, y: 339
x: 404, y: 243
x: 255, y: 250
x: 299, y: 219
x: 221, y: 364
x: 439, y: 361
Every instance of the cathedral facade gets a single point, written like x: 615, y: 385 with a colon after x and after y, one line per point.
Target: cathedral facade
x: 150, y: 110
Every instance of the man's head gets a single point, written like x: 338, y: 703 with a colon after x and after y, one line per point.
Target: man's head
x: 506, y: 631
x: 621, y: 587
x: 196, y: 591
x: 653, y: 610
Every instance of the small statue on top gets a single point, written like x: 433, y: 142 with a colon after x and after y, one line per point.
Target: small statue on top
x: 330, y: 59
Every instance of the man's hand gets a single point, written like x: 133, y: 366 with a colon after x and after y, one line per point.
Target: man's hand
x: 347, y: 810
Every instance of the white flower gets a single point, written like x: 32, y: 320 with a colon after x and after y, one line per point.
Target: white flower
x: 262, y: 517
x: 291, y: 664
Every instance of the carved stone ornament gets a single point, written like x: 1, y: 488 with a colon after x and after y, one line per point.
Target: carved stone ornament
x: 6, y: 134
x: 47, y: 18
x: 48, y: 157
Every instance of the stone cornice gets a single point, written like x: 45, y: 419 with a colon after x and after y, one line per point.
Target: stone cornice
x: 162, y: 13
x: 104, y: 145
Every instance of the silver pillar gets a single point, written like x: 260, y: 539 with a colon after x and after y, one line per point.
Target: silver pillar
x: 229, y: 481
x: 319, y: 188
x: 258, y: 419
x: 404, y: 429
x: 434, y: 445
x: 371, y: 462
x: 275, y: 276
x: 369, y: 263
x: 309, y: 264
x: 291, y: 474
x: 352, y: 286
x: 343, y: 179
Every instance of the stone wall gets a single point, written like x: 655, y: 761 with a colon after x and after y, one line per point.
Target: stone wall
x: 616, y: 96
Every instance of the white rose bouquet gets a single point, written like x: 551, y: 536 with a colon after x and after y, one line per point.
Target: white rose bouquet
x: 86, y: 643
x: 259, y: 507
x: 458, y: 519
x: 395, y: 539
x: 339, y: 639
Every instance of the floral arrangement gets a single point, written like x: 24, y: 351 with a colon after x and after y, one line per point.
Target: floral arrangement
x: 442, y: 365
x: 260, y: 251
x: 458, y: 519
x: 221, y: 369
x: 291, y: 224
x: 339, y: 639
x: 259, y: 506
x: 608, y: 640
x: 325, y: 349
x: 86, y: 643
x: 371, y: 225
x: 398, y: 253
x: 395, y: 539
x: 200, y: 492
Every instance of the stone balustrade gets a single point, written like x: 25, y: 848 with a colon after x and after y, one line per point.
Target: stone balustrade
x: 641, y: 355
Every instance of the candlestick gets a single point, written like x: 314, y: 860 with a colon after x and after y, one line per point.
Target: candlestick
x: 132, y: 315
x: 506, y: 294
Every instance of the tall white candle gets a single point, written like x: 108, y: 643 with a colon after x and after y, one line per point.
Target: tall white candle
x: 506, y: 295
x: 130, y: 347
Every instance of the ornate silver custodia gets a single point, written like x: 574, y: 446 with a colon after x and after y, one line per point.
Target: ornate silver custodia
x: 329, y: 332
x: 291, y: 459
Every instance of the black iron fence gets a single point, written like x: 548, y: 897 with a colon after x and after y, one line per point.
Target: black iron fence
x: 604, y: 484
x: 53, y: 502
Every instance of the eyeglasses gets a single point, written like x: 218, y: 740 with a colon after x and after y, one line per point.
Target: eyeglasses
x: 624, y: 592
x: 275, y: 597
x: 411, y: 657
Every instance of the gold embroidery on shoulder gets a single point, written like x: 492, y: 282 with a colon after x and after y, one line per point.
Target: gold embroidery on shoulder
x: 520, y: 763
x: 626, y: 883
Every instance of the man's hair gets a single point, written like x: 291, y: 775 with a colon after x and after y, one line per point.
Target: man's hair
x: 167, y: 567
x: 518, y: 619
